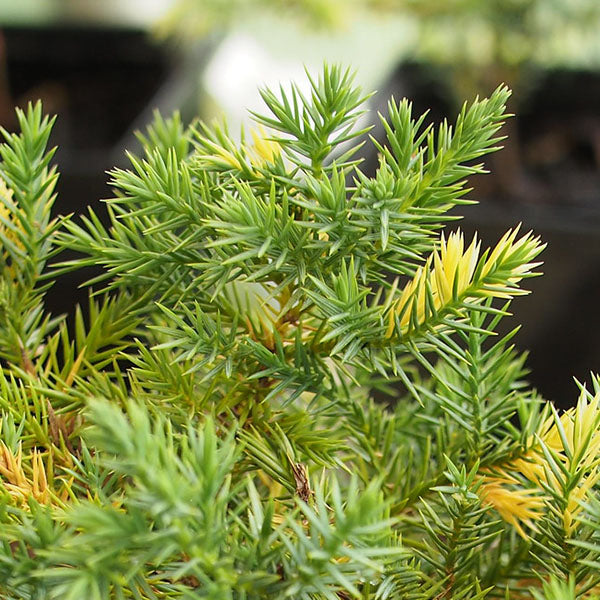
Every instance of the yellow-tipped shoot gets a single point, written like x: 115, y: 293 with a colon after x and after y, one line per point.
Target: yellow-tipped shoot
x: 454, y: 277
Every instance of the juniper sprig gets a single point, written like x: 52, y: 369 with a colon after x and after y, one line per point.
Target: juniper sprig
x: 287, y: 383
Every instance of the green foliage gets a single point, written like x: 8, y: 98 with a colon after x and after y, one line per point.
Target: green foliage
x: 479, y: 44
x: 476, y: 44
x: 508, y: 33
x: 287, y: 383
x: 189, y: 19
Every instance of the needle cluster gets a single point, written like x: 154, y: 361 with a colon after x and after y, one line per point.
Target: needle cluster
x: 288, y: 382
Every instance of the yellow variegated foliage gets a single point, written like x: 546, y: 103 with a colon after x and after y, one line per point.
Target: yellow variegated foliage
x: 7, y: 194
x: 515, y: 504
x: 19, y: 485
x: 504, y: 254
x: 578, y: 429
x: 577, y: 497
x: 574, y: 439
x: 260, y: 311
x: 453, y: 275
x: 8, y: 219
x: 228, y: 157
x: 246, y: 158
x: 264, y: 150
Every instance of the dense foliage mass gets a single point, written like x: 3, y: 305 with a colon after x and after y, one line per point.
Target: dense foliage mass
x: 287, y: 383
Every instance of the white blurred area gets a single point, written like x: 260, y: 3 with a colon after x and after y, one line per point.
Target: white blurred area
x: 238, y: 68
x: 270, y: 51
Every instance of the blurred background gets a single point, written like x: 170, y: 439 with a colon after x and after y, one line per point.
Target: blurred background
x: 103, y: 66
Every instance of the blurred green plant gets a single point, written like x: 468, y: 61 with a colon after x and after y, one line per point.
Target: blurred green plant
x: 480, y: 44
x: 191, y: 19
x: 485, y: 43
x: 208, y: 428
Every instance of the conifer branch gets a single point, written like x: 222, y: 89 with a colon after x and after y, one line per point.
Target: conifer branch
x: 287, y: 383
